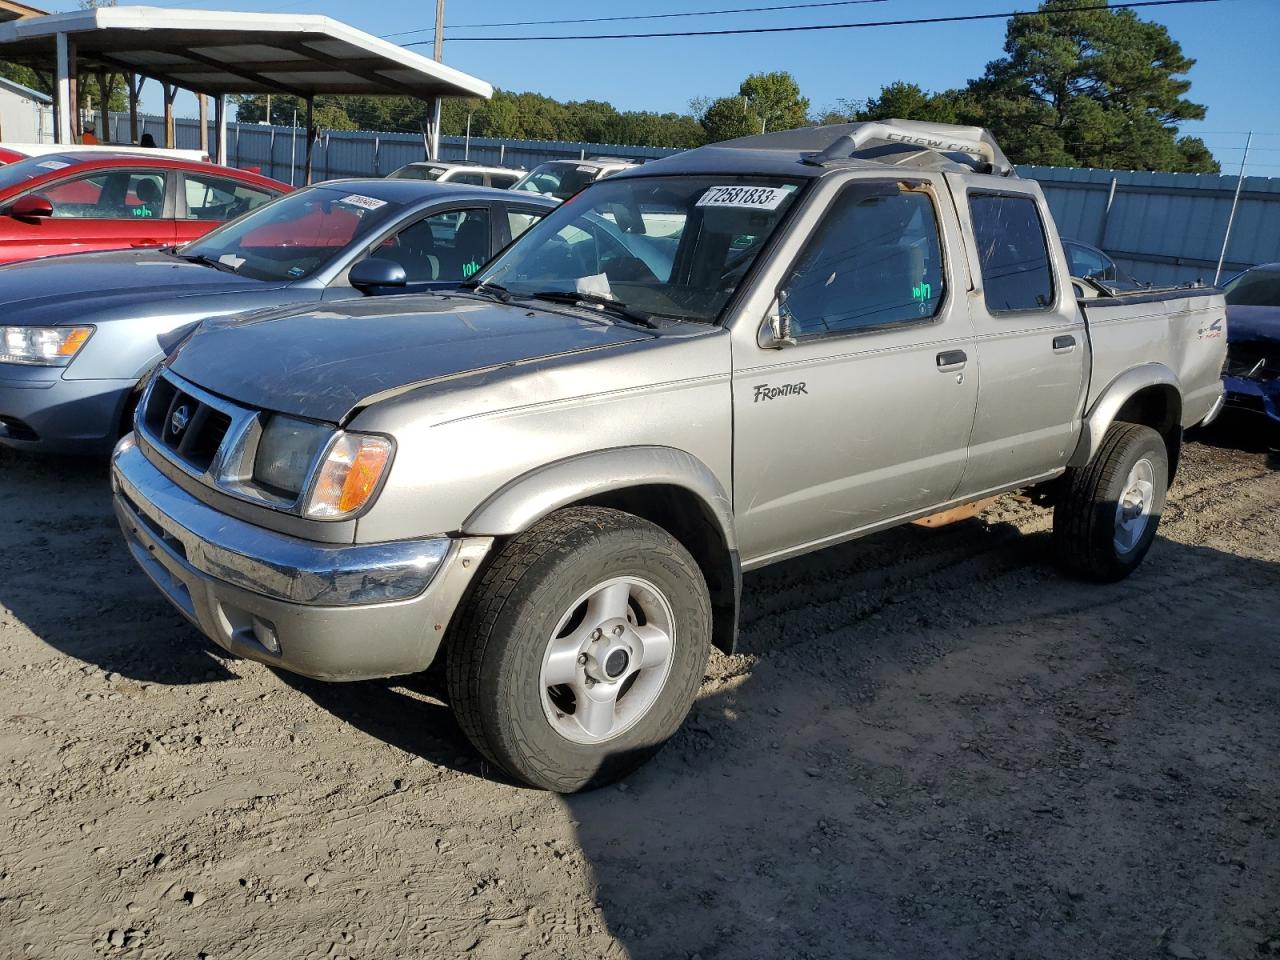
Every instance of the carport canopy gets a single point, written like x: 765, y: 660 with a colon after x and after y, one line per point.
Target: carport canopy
x: 218, y: 53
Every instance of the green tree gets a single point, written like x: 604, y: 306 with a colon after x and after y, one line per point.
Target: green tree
x: 907, y: 101
x: 1097, y: 87
x: 775, y: 99
x: 727, y: 118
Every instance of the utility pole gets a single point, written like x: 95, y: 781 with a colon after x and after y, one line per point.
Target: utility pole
x: 435, y: 107
x: 1235, y: 202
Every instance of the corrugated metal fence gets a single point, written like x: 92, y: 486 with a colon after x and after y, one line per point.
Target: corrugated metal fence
x: 1161, y: 227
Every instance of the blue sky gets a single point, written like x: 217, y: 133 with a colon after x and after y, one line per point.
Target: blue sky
x: 1235, y: 42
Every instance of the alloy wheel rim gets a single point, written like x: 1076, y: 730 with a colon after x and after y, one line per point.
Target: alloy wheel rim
x: 1133, y: 508
x: 607, y: 660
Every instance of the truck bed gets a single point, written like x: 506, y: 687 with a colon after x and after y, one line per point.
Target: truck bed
x: 1183, y: 328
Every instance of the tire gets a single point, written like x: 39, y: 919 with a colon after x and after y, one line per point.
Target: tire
x: 1093, y: 539
x: 549, y: 607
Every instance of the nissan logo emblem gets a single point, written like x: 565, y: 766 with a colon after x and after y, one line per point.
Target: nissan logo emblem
x: 178, y: 422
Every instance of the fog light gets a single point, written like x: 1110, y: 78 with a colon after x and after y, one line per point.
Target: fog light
x: 266, y: 635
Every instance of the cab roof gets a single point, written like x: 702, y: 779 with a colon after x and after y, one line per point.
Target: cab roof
x: 810, y: 152
x: 416, y: 191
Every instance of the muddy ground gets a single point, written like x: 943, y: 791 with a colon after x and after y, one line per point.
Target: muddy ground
x: 931, y: 746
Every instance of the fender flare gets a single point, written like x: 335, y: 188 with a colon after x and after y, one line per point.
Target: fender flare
x: 521, y: 502
x: 1113, y: 398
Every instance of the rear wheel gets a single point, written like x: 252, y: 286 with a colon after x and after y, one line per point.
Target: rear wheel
x: 581, y: 650
x: 1106, y: 519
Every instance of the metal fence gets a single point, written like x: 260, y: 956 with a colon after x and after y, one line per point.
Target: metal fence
x: 1160, y: 227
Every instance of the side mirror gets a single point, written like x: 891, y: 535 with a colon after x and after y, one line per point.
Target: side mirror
x: 776, y: 332
x: 374, y: 272
x: 31, y: 207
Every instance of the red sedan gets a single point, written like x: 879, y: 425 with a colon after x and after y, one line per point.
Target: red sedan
x: 81, y: 202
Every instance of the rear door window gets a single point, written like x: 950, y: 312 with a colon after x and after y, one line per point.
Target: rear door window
x: 219, y: 199
x: 1012, y: 252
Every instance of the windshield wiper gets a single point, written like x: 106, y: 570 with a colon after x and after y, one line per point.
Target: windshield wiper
x: 616, y: 307
x: 488, y: 286
x: 207, y: 261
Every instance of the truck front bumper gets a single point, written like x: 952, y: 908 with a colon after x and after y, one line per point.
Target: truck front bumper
x: 346, y: 612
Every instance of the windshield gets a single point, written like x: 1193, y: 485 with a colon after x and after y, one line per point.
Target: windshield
x: 14, y: 174
x: 418, y: 171
x: 674, y: 247
x: 294, y: 236
x: 1255, y: 288
x: 559, y: 179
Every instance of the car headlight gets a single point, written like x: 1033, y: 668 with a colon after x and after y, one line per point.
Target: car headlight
x: 286, y: 453
x: 42, y: 346
x: 349, y: 475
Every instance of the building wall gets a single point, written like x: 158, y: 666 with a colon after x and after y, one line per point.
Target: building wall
x: 20, y: 118
x: 1160, y: 227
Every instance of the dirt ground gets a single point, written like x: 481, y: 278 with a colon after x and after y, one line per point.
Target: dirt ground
x: 931, y: 746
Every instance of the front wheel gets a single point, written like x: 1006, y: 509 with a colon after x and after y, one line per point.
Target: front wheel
x: 581, y: 650
x: 1106, y: 519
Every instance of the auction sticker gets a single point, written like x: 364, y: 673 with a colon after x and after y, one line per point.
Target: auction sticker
x: 754, y: 198
x: 360, y: 200
x: 52, y: 164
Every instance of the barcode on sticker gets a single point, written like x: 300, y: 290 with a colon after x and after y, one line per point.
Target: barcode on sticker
x: 359, y: 200
x: 756, y: 198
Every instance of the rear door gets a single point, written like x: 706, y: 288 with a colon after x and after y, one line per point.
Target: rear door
x: 1032, y: 346
x: 98, y: 210
x: 867, y: 416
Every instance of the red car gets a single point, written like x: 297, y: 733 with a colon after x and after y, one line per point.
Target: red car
x: 85, y: 201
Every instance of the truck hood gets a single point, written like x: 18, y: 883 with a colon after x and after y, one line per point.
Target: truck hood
x: 322, y: 363
x: 1253, y: 323
x: 67, y: 289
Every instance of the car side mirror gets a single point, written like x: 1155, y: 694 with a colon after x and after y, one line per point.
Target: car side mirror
x: 775, y: 333
x: 367, y: 275
x: 31, y: 207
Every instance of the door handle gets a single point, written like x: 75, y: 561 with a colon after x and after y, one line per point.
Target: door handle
x: 949, y: 360
x: 1064, y: 344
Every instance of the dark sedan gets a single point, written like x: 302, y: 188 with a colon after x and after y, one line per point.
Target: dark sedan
x: 77, y: 333
x: 1253, y: 341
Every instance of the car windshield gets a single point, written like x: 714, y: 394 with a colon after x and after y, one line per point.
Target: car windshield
x: 673, y: 247
x: 19, y: 172
x: 292, y: 237
x: 1255, y: 288
x: 418, y: 171
x: 559, y: 179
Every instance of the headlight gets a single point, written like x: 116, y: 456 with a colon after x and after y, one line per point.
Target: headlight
x: 286, y: 453
x: 349, y: 475
x: 42, y: 346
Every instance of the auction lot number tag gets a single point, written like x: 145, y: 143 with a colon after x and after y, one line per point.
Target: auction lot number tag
x: 754, y: 198
x: 367, y: 203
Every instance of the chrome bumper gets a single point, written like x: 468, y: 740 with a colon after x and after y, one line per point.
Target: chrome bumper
x: 334, y: 612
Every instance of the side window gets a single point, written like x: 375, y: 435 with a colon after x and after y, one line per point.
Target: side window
x: 503, y: 180
x: 469, y: 179
x: 1012, y: 252
x: 519, y: 221
x: 448, y: 246
x: 1085, y: 262
x: 108, y: 196
x: 874, y: 260
x: 219, y: 199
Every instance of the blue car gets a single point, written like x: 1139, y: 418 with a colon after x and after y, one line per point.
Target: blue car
x: 1253, y: 341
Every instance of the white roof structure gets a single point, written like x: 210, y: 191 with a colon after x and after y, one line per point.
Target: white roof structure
x: 216, y: 52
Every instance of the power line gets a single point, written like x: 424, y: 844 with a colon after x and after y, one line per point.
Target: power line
x: 959, y: 18
x: 641, y: 16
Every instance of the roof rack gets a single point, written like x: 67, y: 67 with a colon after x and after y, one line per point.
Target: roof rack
x: 894, y: 142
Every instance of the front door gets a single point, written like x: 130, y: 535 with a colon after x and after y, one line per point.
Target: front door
x: 867, y: 416
x: 101, y: 210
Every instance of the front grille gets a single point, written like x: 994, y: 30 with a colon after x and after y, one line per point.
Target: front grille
x: 1254, y: 360
x: 188, y: 428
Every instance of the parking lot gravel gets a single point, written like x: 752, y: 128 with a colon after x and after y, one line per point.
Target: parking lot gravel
x: 930, y: 745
